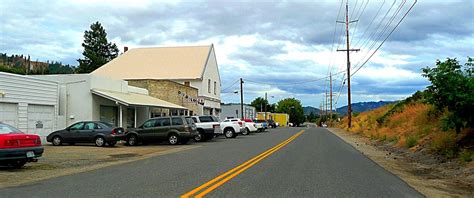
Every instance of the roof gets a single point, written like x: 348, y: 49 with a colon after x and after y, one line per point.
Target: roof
x: 186, y: 62
x: 135, y: 99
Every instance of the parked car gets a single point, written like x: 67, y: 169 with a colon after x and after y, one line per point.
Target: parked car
x: 18, y: 148
x: 272, y: 124
x: 207, y: 127
x: 230, y: 129
x: 251, y: 126
x: 97, y: 132
x: 174, y: 130
x: 261, y: 124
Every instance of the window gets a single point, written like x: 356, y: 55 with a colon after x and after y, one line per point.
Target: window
x: 149, y: 124
x: 195, y: 119
x: 205, y: 118
x: 89, y: 126
x: 215, y: 87
x: 186, y: 83
x: 209, y: 85
x: 176, y: 121
x: 189, y: 120
x: 77, y: 126
x: 162, y: 122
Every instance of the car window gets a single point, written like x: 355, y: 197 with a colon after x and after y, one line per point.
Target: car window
x: 214, y: 119
x: 5, y: 129
x: 105, y: 125
x: 195, y: 119
x: 89, y: 126
x: 162, y: 122
x: 77, y: 126
x: 205, y: 119
x: 97, y: 126
x: 176, y: 121
x: 149, y: 124
x: 190, y: 120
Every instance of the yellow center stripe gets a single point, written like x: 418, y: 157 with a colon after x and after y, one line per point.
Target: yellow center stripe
x: 237, y: 170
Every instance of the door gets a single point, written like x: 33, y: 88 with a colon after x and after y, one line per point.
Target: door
x: 40, y: 120
x: 147, y: 131
x: 72, y: 133
x: 163, y: 126
x: 9, y: 113
x: 87, y: 134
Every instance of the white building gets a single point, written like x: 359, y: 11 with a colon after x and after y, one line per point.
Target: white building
x: 195, y: 66
x: 233, y: 110
x: 85, y: 97
x: 28, y: 103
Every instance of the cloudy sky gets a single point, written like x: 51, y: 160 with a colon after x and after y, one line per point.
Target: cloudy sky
x: 285, y: 48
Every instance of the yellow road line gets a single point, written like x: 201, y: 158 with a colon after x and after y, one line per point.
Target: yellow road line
x: 237, y: 170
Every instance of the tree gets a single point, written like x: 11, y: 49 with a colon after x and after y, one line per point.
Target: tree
x: 452, y: 89
x: 292, y: 107
x: 97, y: 50
x: 260, y: 103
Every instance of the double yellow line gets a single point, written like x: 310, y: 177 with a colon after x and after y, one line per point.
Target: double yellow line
x: 218, y: 181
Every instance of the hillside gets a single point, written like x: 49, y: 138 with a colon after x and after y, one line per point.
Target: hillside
x: 363, y: 106
x: 414, y: 125
x: 309, y: 109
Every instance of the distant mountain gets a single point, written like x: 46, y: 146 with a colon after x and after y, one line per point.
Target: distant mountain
x: 363, y: 106
x: 356, y: 107
x: 307, y: 110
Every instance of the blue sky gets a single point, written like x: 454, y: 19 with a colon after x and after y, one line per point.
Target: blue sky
x: 276, y: 43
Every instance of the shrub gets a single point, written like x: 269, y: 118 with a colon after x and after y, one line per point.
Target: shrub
x: 466, y: 156
x: 411, y: 141
x: 444, y: 143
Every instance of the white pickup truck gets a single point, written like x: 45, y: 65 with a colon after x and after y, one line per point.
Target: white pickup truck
x: 207, y: 127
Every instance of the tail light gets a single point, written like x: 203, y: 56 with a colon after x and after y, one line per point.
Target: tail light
x: 114, y: 132
x: 12, y: 142
x: 215, y: 126
x: 240, y: 123
x: 38, y: 141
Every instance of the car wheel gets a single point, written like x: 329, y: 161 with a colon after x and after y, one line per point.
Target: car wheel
x: 199, y: 137
x: 173, y: 139
x: 99, y: 141
x: 229, y: 133
x: 246, y: 131
x: 57, y: 141
x: 132, y: 140
x: 113, y: 143
x: 18, y: 163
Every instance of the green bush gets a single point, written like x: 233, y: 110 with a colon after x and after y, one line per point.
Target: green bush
x: 466, y: 156
x: 411, y: 141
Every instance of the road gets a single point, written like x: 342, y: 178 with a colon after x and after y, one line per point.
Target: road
x: 314, y: 163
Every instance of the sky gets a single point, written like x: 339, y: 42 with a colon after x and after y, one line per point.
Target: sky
x: 282, y: 48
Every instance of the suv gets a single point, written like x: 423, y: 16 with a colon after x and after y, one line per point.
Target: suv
x: 230, y: 129
x: 206, y: 126
x: 252, y: 126
x: 172, y: 129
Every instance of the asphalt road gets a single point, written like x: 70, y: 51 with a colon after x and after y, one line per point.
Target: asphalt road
x: 314, y: 164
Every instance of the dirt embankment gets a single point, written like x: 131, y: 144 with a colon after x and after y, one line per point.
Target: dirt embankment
x: 430, y: 175
x: 65, y: 160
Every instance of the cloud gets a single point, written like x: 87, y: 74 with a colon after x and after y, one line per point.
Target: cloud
x: 275, y: 43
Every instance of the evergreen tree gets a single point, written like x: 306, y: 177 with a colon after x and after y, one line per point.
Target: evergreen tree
x: 97, y: 50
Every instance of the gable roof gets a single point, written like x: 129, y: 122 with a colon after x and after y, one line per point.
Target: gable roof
x: 186, y: 62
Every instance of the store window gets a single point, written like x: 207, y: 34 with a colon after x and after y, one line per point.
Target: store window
x: 109, y: 114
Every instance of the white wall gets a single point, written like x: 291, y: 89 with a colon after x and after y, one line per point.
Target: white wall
x: 26, y: 91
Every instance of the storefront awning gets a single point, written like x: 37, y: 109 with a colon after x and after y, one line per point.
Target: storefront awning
x: 135, y: 99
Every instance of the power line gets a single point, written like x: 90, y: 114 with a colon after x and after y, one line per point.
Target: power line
x: 391, y: 32
x: 293, y: 83
x: 222, y: 90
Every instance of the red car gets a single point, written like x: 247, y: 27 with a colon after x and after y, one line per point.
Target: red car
x: 17, y: 148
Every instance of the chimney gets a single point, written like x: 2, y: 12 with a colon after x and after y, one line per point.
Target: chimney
x: 125, y: 49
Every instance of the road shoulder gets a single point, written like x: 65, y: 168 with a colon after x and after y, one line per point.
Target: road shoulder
x: 428, y: 179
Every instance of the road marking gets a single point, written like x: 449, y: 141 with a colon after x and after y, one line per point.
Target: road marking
x: 218, y: 181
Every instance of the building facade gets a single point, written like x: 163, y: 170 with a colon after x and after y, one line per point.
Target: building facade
x: 233, y: 110
x: 193, y: 66
x: 29, y: 104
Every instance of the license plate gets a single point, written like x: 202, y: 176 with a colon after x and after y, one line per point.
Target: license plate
x: 30, y: 154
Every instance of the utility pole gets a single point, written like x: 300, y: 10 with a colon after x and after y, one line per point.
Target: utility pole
x: 330, y: 95
x: 265, y: 113
x: 326, y: 104
x: 241, y: 98
x: 348, y: 50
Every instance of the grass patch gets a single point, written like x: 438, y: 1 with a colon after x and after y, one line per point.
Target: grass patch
x: 411, y: 141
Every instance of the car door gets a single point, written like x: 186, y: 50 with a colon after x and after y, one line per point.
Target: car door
x: 162, y: 128
x: 177, y: 124
x: 147, y: 130
x: 87, y: 133
x: 72, y: 133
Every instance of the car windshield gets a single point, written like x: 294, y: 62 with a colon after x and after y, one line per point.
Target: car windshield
x: 6, y: 129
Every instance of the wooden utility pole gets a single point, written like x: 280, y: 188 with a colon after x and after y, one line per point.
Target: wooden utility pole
x: 241, y: 98
x: 348, y: 50
x: 330, y: 95
x: 265, y: 113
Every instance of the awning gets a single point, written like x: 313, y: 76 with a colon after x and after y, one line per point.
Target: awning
x: 135, y: 99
